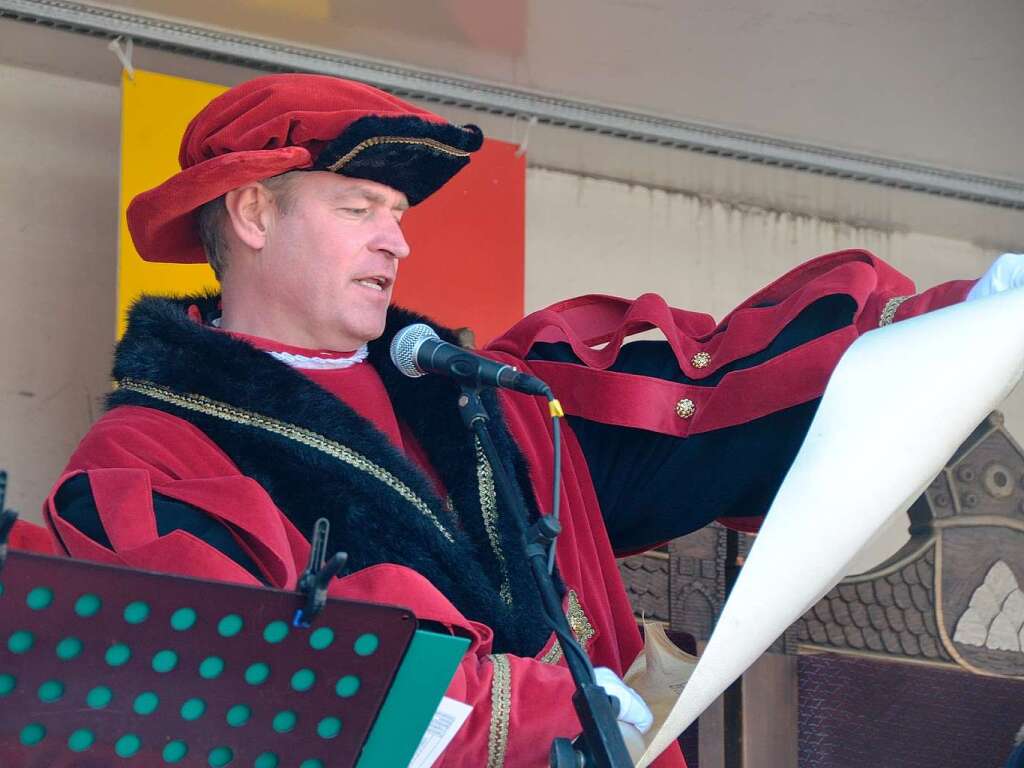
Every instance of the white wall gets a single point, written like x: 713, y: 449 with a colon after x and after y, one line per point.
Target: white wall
x: 603, y: 236
x: 58, y: 214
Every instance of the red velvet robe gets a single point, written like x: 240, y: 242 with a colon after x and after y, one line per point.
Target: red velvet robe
x: 519, y: 704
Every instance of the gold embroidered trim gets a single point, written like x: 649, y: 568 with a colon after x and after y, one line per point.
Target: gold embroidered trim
x: 345, y: 159
x: 307, y: 437
x: 501, y: 711
x: 489, y: 512
x: 889, y: 310
x: 581, y: 628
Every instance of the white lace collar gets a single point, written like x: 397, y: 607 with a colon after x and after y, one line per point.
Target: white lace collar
x: 312, y: 362
x: 320, y: 363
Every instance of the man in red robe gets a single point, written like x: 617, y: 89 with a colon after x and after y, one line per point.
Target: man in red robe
x: 241, y: 418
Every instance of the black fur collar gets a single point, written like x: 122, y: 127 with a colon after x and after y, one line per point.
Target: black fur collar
x: 368, y: 519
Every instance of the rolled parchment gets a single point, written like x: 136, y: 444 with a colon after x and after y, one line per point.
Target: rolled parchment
x: 900, y: 402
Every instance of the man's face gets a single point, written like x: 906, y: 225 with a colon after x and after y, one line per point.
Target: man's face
x: 331, y: 259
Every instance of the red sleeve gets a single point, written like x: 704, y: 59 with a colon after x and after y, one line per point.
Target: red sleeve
x: 720, y: 382
x: 132, y: 453
x: 595, y: 327
x: 30, y: 537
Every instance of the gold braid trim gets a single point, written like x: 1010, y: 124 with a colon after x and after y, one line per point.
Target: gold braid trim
x: 501, y: 711
x: 889, y: 310
x: 580, y: 626
x: 307, y: 437
x: 489, y: 511
x: 345, y: 159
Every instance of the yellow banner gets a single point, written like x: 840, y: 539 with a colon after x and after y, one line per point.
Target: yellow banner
x: 155, y: 109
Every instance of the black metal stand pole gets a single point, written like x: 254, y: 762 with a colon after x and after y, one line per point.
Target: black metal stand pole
x: 601, y: 744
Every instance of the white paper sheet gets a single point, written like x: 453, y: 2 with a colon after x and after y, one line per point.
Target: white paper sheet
x: 900, y: 402
x: 448, y: 719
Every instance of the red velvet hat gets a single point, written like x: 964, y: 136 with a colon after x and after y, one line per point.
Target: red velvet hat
x: 281, y: 123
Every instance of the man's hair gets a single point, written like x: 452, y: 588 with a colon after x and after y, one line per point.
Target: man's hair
x: 213, y: 218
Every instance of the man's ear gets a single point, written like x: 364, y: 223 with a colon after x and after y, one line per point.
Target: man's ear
x: 250, y: 210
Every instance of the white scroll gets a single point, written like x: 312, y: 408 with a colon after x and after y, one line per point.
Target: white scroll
x: 900, y: 402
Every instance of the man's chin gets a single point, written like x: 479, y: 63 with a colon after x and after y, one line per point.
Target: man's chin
x: 370, y: 332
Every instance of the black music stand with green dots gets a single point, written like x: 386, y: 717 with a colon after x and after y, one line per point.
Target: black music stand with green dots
x: 108, y: 666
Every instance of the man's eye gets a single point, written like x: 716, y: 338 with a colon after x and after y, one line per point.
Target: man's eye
x: 357, y: 211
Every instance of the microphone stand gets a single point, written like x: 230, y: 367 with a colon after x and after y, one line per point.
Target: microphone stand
x: 600, y: 745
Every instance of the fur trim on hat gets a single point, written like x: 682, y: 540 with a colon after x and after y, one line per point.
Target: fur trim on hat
x: 415, y: 156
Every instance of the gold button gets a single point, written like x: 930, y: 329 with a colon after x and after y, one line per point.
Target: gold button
x: 685, y: 408
x: 701, y: 360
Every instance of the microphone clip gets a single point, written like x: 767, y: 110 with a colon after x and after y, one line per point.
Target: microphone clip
x: 471, y: 407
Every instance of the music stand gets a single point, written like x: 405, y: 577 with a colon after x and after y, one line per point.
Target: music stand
x: 103, y: 665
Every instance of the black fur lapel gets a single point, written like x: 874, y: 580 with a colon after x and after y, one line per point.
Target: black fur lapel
x: 368, y: 520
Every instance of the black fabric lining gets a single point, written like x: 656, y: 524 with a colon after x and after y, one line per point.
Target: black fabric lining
x: 654, y: 487
x: 76, y: 504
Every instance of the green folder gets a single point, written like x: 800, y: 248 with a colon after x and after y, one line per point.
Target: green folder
x: 420, y: 683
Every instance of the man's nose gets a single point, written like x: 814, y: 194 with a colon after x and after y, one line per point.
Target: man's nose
x: 391, y: 239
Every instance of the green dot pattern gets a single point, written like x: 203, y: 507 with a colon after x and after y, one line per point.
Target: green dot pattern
x: 69, y: 648
x: 81, y: 740
x: 175, y: 751
x: 220, y: 756
x: 88, y: 605
x: 118, y: 655
x: 32, y: 734
x: 321, y: 638
x: 193, y: 709
x: 238, y: 715
x: 275, y: 632
x: 51, y: 690
x: 311, y: 763
x: 7, y: 684
x: 211, y: 667
x: 266, y: 760
x: 127, y: 745
x: 137, y: 612
x: 347, y: 686
x: 257, y: 674
x: 183, y: 619
x: 328, y: 728
x: 165, y: 661
x: 284, y: 721
x: 303, y: 680
x: 366, y: 645
x: 146, y: 703
x: 21, y: 642
x: 230, y: 625
x: 99, y: 697
x: 39, y: 598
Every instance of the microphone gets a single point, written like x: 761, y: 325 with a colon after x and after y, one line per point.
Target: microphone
x: 416, y: 350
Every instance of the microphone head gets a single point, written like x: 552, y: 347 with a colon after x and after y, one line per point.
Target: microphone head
x: 405, y: 345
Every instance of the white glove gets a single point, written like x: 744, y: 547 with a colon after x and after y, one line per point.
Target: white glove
x: 1006, y: 273
x: 632, y: 708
